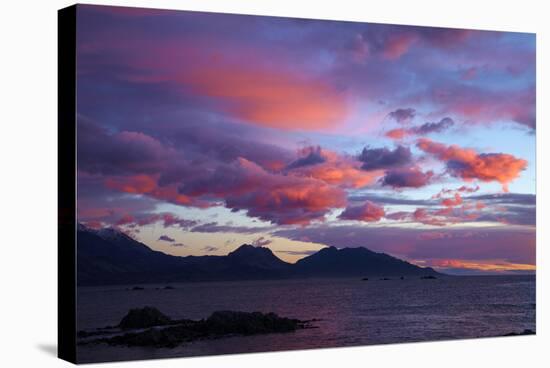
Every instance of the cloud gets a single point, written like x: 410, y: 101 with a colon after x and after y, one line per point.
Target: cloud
x: 270, y: 97
x: 148, y: 185
x: 213, y: 227
x: 462, y: 189
x: 506, y: 198
x: 478, y: 105
x: 280, y: 199
x: 511, y: 215
x: 397, y: 45
x: 339, y: 170
x: 407, y: 178
x: 209, y: 249
x: 124, y: 152
x: 452, y: 202
x: 421, y: 130
x: 309, y: 156
x: 398, y: 216
x: 424, y: 217
x: 428, y: 128
x: 368, y: 212
x: 261, y: 242
x: 166, y: 238
x: 403, y: 115
x: 384, y: 158
x: 395, y: 199
x: 166, y: 219
x: 468, y: 164
x: 397, y: 134
x: 498, y: 266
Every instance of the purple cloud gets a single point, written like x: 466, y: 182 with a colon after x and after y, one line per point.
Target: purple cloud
x: 403, y: 115
x: 166, y: 238
x: 384, y: 158
x: 428, y: 128
x: 261, y: 242
x: 407, y: 178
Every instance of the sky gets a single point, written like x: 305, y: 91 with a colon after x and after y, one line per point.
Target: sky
x: 199, y: 132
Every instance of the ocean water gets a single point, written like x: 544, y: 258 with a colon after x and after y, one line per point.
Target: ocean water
x: 352, y: 312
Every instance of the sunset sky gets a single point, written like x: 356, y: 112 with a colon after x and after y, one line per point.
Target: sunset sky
x: 198, y: 132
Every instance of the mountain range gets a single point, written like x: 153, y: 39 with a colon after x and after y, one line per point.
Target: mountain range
x: 107, y: 256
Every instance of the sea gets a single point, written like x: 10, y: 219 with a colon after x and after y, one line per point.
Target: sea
x: 350, y: 312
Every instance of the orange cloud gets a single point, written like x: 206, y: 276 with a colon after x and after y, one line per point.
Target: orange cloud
x: 337, y: 170
x: 271, y: 98
x: 490, y: 265
x: 468, y: 164
x: 147, y: 184
x: 452, y: 202
x: 396, y: 134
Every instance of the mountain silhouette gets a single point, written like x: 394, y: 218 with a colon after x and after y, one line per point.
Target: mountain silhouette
x: 107, y: 256
x: 356, y: 262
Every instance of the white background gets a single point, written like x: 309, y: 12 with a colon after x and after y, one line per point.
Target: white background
x: 28, y: 219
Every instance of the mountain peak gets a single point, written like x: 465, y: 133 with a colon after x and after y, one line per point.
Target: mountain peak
x: 257, y: 256
x: 110, y: 233
x: 328, y: 250
x: 356, y: 261
x: 250, y: 249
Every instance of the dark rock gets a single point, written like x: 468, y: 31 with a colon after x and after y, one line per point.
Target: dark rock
x: 385, y: 279
x: 219, y: 324
x: 169, y: 287
x: 429, y: 277
x: 365, y: 279
x: 229, y: 322
x: 137, y: 288
x: 402, y: 278
x: 143, y: 318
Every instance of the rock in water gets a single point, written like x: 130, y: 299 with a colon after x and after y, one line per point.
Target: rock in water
x: 229, y: 322
x: 165, y: 332
x: 143, y: 318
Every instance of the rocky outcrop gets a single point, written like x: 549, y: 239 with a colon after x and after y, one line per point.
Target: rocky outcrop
x: 143, y: 318
x: 162, y: 331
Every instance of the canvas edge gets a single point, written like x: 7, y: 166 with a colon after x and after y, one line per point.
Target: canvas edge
x: 66, y: 186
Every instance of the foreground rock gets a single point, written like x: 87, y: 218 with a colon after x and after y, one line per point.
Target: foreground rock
x: 171, y: 333
x: 143, y: 318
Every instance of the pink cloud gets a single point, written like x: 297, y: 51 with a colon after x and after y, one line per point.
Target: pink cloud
x: 468, y: 164
x: 368, y: 212
x: 270, y: 97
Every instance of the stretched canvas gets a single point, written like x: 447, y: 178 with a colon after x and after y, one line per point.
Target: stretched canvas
x: 235, y: 183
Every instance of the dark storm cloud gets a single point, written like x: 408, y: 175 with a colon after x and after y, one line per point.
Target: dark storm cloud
x: 384, y: 158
